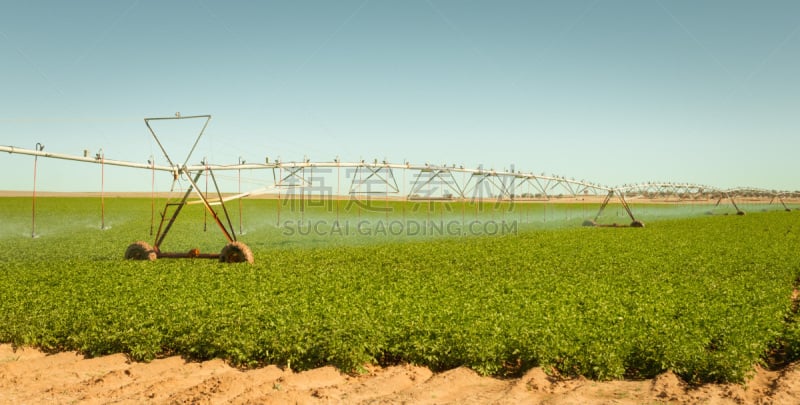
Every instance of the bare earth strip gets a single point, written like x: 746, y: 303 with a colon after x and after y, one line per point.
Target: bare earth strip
x: 28, y: 376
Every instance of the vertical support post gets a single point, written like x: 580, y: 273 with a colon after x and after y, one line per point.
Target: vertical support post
x: 360, y: 179
x: 205, y: 212
x: 428, y: 220
x: 152, y: 163
x: 338, y: 186
x: 530, y: 197
x: 241, y: 162
x: 280, y: 174
x: 386, y: 199
x: 463, y: 204
x: 102, y: 158
x: 302, y: 196
x: 39, y: 148
x: 404, y: 202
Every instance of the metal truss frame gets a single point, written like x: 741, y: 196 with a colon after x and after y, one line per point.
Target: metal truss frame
x: 371, y: 178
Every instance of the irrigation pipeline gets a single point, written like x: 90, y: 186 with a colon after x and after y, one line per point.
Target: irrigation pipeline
x: 378, y: 178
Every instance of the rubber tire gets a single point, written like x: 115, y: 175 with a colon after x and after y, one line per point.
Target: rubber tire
x: 236, y: 252
x: 140, y: 251
x: 637, y: 224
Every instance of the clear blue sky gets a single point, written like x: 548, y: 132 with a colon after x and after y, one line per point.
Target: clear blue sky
x: 608, y: 91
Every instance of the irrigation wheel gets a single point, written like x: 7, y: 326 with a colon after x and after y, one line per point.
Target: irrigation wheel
x: 140, y: 251
x: 236, y: 252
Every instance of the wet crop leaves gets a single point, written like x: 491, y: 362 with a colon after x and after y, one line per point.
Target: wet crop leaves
x: 706, y: 297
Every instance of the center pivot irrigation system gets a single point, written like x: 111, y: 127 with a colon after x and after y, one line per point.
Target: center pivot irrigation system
x: 430, y: 182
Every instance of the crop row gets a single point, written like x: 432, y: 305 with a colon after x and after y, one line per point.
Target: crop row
x: 706, y: 297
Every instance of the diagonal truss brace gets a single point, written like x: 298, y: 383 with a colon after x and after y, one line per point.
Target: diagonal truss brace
x: 292, y: 173
x: 388, y: 180
x: 161, y: 146
x: 634, y: 222
x: 436, y: 173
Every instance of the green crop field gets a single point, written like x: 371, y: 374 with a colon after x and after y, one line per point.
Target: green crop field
x: 708, y: 297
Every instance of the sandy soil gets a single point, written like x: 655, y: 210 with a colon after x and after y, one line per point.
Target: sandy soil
x: 29, y: 376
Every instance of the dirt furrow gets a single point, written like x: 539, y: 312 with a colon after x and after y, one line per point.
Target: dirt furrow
x: 28, y: 376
